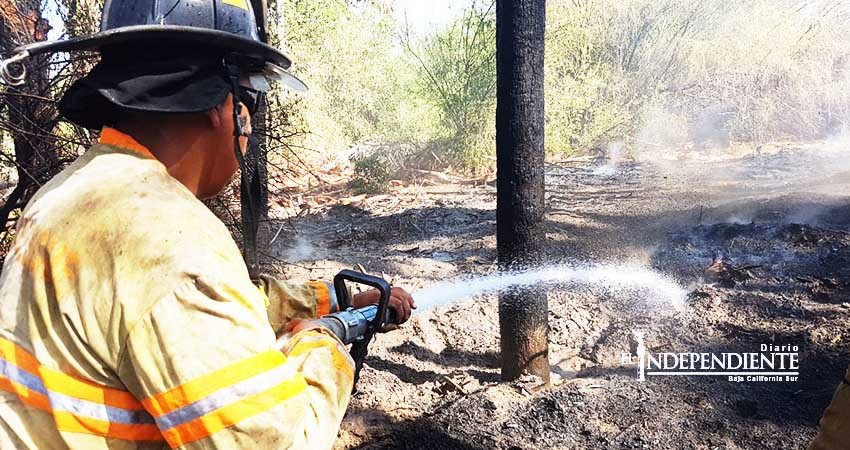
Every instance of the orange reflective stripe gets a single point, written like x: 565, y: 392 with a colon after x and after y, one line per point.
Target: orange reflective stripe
x: 59, y: 382
x: 340, y: 359
x: 115, y: 138
x: 323, y: 297
x: 220, y: 399
x: 28, y: 397
x: 205, y: 385
x: 18, y: 356
x: 65, y: 384
x: 77, y: 406
x: 233, y: 413
x: 72, y: 423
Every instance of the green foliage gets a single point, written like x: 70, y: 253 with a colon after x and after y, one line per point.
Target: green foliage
x: 780, y: 67
x: 581, y: 111
x: 745, y: 70
x: 371, y: 173
x: 433, y: 97
x: 604, y: 60
x: 457, y: 75
x: 359, y: 84
x: 643, y: 72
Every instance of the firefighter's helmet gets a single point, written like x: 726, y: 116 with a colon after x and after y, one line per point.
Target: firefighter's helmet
x: 224, y: 24
x: 164, y: 56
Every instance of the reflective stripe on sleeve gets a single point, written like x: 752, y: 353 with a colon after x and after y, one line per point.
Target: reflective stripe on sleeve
x: 77, y: 406
x: 213, y: 402
x: 334, y: 304
x: 323, y: 295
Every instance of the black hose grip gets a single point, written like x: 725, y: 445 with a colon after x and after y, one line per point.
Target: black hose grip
x: 344, y: 300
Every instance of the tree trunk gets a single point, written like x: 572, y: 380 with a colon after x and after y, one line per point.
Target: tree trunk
x: 257, y: 166
x: 29, y: 118
x: 523, y: 314
x: 261, y: 122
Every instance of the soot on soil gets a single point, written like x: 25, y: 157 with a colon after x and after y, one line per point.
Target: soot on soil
x: 759, y: 241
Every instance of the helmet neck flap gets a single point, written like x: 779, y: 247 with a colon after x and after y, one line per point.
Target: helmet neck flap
x: 205, y: 47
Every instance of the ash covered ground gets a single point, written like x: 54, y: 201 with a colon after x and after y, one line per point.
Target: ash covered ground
x: 759, y: 238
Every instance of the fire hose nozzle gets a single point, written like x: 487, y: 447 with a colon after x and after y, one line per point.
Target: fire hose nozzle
x: 352, y: 325
x: 9, y: 66
x: 358, y: 326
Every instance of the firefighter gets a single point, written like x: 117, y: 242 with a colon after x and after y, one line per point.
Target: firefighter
x: 834, y: 433
x: 127, y: 316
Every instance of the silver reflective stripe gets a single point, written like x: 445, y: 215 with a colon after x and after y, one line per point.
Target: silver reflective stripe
x: 98, y: 411
x: 76, y: 406
x: 225, y: 396
x: 22, y: 377
x: 332, y: 294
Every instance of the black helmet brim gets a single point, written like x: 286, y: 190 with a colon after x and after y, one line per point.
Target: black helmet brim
x: 139, y: 34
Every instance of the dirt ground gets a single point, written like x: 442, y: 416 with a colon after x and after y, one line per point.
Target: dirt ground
x: 759, y: 238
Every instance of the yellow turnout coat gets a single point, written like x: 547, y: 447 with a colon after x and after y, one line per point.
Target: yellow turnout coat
x: 128, y: 321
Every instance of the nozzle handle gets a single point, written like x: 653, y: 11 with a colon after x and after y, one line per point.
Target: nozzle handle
x: 344, y: 299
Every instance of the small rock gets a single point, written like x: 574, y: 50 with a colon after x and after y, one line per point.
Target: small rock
x: 746, y: 408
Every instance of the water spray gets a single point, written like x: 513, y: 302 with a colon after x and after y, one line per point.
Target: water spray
x: 617, y: 279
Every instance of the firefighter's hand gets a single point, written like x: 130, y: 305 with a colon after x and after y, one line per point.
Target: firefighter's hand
x: 401, y: 302
x: 296, y: 325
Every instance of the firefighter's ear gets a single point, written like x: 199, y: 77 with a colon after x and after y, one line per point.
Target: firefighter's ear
x: 222, y: 115
x: 216, y: 117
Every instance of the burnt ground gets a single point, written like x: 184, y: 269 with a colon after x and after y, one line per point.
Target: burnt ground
x: 761, y: 241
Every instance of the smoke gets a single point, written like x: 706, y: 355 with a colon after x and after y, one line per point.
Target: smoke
x: 742, y: 181
x: 615, y: 154
x: 754, y: 106
x: 302, y: 250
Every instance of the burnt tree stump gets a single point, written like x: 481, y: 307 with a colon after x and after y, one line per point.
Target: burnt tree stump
x: 523, y: 313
